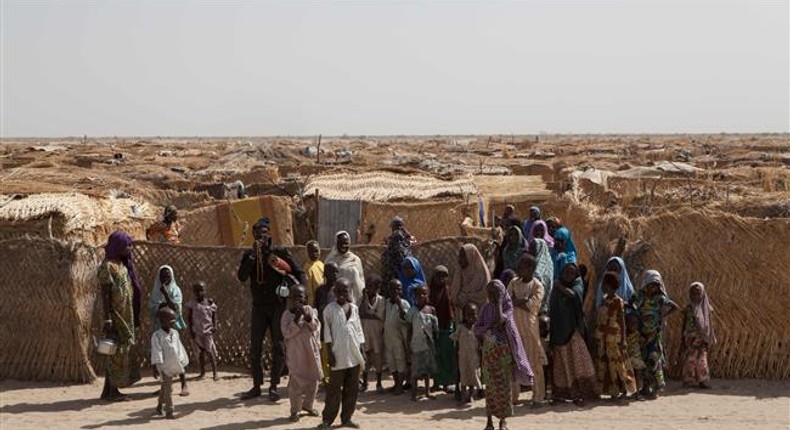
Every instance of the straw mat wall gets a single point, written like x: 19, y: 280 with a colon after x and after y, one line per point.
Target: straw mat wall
x: 744, y: 266
x: 217, y: 267
x: 426, y: 221
x: 48, y: 291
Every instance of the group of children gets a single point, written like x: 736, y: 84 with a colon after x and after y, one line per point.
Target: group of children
x: 340, y: 344
x: 168, y: 355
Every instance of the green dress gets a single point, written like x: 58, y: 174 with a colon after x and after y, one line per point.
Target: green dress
x: 121, y: 368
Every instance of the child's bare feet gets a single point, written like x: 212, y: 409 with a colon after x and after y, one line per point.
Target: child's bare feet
x: 312, y: 412
x: 201, y: 375
x: 216, y: 378
x: 158, y: 412
x: 170, y: 416
x: 184, y: 391
x: 294, y: 418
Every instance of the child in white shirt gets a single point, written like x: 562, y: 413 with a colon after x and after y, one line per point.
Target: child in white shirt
x: 169, y: 357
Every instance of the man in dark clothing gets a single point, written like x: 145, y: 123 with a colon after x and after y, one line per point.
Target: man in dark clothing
x: 267, y: 268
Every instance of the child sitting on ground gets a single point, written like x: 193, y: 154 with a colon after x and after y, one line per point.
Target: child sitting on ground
x: 301, y: 328
x: 395, y: 336
x: 169, y: 357
x: 371, y: 311
x: 468, y: 355
x: 202, y: 326
x: 424, y: 330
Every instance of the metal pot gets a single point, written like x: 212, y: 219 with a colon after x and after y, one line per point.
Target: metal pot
x: 106, y: 346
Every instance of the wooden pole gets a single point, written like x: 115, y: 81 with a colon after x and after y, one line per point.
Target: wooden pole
x: 318, y: 155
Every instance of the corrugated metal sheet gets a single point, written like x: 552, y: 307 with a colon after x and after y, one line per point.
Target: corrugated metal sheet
x: 337, y: 215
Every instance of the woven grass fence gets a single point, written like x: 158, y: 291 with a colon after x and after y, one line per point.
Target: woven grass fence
x: 217, y: 266
x: 48, y: 291
x: 50, y: 311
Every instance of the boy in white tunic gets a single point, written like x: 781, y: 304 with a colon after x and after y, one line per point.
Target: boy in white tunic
x: 169, y: 357
x: 345, y: 342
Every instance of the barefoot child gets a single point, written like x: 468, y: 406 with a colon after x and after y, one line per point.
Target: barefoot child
x: 166, y: 292
x: 301, y: 328
x: 504, y: 360
x: 424, y: 330
x: 468, y: 354
x: 345, y: 342
x: 527, y: 293
x: 202, y: 318
x: 697, y: 337
x: 612, y: 365
x: 371, y: 311
x: 395, y: 335
x: 324, y: 295
x: 169, y: 357
x: 653, y: 306
x: 634, y: 348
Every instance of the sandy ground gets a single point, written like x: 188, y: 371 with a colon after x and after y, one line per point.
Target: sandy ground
x: 745, y: 404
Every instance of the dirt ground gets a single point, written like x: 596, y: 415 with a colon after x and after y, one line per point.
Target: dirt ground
x: 742, y: 405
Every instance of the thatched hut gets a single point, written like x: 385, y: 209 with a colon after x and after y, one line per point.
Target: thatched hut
x: 364, y: 204
x: 72, y: 217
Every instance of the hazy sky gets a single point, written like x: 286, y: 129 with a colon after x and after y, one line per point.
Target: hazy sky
x: 303, y: 68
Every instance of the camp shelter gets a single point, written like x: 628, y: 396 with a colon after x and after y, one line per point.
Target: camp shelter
x: 72, y: 217
x: 364, y: 204
x: 230, y: 223
x: 497, y: 192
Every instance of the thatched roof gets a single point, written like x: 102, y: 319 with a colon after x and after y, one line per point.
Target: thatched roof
x: 512, y: 188
x: 78, y: 211
x: 385, y: 186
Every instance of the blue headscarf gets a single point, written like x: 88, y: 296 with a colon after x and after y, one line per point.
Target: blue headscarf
x: 569, y: 255
x: 626, y: 289
x: 410, y: 283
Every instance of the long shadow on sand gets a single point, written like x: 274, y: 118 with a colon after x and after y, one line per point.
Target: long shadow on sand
x: 181, y: 410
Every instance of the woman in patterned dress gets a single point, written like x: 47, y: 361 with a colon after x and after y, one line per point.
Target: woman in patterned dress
x: 504, y: 360
x: 120, y: 293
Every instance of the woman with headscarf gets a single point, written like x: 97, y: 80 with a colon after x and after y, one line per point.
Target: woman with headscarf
x: 534, y: 215
x: 697, y: 337
x: 544, y: 270
x: 540, y: 230
x: 564, y: 250
x: 411, y: 276
x: 625, y: 289
x: 167, y: 293
x: 120, y: 293
x: 612, y: 363
x: 514, y: 247
x: 349, y: 265
x: 553, y: 223
x: 469, y: 283
x: 398, y: 247
x: 439, y: 298
x: 573, y: 371
x: 504, y: 362
x: 652, y: 305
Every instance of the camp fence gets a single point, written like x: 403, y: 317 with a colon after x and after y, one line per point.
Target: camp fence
x: 51, y: 315
x: 49, y: 307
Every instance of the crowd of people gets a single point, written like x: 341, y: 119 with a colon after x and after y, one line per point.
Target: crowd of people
x: 478, y: 333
